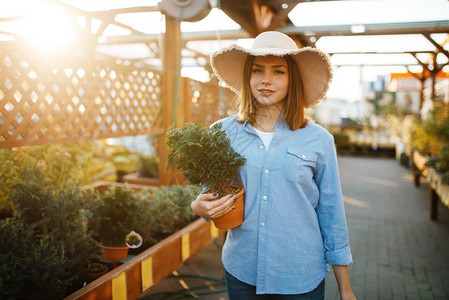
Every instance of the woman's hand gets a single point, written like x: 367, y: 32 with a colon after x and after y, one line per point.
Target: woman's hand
x: 344, y: 286
x: 348, y: 295
x: 208, y: 206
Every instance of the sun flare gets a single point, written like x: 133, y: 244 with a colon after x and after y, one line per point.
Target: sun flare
x: 44, y: 25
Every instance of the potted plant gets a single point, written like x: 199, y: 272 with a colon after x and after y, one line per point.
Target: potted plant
x: 148, y: 166
x: 169, y: 207
x: 205, y: 156
x: 96, y: 270
x: 54, y: 233
x: 115, y: 213
x: 148, y: 171
x: 431, y: 138
x: 31, y: 265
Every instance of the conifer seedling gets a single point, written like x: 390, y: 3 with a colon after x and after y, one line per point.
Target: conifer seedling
x: 204, y: 155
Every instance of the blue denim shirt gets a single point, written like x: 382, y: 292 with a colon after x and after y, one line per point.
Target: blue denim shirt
x: 294, y: 216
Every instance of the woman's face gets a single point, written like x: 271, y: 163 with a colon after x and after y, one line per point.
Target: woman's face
x: 269, y: 80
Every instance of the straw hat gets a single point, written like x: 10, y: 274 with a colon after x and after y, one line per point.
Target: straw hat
x: 314, y: 66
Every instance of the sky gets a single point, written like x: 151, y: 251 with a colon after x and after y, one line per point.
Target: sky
x: 46, y: 25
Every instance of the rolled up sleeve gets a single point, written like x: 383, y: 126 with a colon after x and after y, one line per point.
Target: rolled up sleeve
x: 330, y: 209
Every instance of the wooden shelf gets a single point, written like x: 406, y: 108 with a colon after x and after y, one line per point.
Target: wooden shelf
x: 133, y: 278
x: 134, y: 178
x: 438, y: 189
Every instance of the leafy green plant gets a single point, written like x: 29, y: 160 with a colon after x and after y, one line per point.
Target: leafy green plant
x: 424, y: 141
x: 438, y: 122
x: 169, y: 208
x: 341, y: 139
x: 431, y: 137
x: 115, y: 213
x: 203, y: 155
x: 63, y: 165
x: 441, y: 164
x: 47, y: 240
x: 154, y: 214
x: 32, y: 266
x: 148, y: 166
x: 61, y: 216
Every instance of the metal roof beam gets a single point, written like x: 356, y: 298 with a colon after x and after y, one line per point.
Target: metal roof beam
x: 379, y: 52
x: 376, y: 65
x: 186, y: 36
x: 426, y: 27
x: 438, y: 46
x: 127, y: 10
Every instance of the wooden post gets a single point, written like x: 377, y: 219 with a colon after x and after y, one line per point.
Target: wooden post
x: 433, y: 204
x: 170, y: 60
x: 421, y: 92
x: 433, y: 77
x: 422, y: 80
x: 187, y: 91
x: 180, y: 111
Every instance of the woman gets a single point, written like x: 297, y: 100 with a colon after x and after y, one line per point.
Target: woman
x: 294, y: 219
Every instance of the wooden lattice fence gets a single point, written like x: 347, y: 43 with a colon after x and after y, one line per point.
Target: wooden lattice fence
x: 46, y: 101
x: 206, y: 102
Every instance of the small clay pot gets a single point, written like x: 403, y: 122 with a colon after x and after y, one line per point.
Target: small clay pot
x: 96, y: 270
x: 233, y: 218
x: 114, y: 254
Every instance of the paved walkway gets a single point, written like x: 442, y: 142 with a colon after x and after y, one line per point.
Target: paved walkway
x: 398, y: 252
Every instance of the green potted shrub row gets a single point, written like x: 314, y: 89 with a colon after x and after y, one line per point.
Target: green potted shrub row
x: 148, y: 166
x: 45, y: 248
x: 115, y: 213
x: 431, y: 138
x: 155, y: 214
x: 53, y: 231
x: 63, y: 166
x: 148, y: 171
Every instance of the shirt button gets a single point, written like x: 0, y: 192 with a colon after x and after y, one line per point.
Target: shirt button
x: 263, y: 224
x: 261, y: 146
x: 266, y: 171
x: 303, y: 156
x: 264, y: 197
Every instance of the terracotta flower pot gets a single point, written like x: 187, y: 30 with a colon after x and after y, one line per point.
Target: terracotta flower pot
x: 114, y: 254
x: 233, y: 218
x: 96, y: 270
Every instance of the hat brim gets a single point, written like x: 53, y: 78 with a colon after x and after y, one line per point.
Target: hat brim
x: 314, y: 68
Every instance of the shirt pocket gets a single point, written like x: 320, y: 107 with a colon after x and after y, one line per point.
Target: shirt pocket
x: 299, y: 165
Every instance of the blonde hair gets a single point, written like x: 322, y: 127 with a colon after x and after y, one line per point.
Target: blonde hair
x: 293, y: 113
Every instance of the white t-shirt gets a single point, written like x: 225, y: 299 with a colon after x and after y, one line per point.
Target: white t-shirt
x: 266, y: 137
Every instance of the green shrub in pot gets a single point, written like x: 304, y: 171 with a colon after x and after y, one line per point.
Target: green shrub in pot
x: 204, y: 155
x: 55, y: 221
x: 431, y: 137
x: 115, y: 213
x: 63, y: 165
x: 32, y: 266
x: 148, y: 166
x: 168, y: 210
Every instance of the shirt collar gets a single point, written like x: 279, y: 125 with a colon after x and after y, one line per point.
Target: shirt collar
x: 281, y: 126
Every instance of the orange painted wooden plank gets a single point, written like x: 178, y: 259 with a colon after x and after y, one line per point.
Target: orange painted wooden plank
x: 166, y: 257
